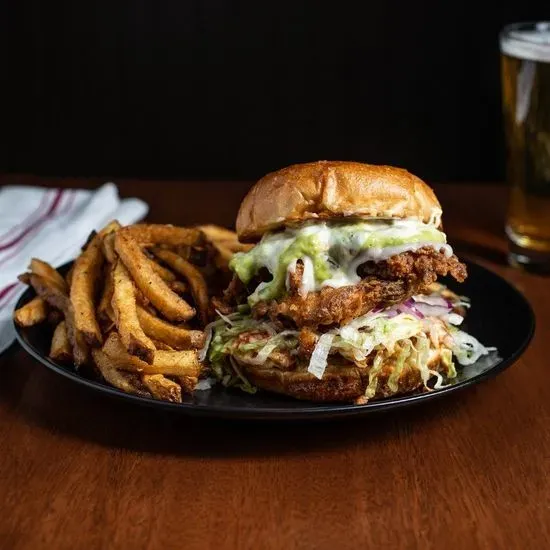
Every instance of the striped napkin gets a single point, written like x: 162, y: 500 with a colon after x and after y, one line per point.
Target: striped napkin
x: 50, y: 224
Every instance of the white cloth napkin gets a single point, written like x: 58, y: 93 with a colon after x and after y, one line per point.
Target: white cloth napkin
x: 52, y: 225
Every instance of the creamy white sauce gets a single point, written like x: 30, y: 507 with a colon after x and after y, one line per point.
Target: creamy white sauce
x: 308, y: 278
x: 337, y: 249
x: 347, y: 274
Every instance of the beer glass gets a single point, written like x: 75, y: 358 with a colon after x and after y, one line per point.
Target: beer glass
x: 525, y: 74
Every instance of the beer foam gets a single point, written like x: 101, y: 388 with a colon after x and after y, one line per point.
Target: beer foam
x: 532, y: 44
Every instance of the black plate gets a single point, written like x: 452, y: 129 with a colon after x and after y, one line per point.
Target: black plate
x: 500, y: 316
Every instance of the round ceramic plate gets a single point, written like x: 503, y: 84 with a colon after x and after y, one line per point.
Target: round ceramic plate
x: 500, y: 316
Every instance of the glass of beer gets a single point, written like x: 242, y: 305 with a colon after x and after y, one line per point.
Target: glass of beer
x: 525, y: 73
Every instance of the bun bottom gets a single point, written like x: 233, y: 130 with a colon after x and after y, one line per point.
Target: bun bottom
x: 339, y: 383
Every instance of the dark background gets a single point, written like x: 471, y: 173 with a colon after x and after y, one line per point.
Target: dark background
x: 220, y: 89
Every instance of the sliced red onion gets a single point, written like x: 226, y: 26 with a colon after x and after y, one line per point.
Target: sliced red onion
x: 410, y: 309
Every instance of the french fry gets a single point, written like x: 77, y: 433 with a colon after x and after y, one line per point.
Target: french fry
x: 124, y: 307
x: 86, y: 273
x: 69, y: 276
x: 175, y: 363
x: 121, y: 308
x: 175, y: 337
x: 25, y: 278
x: 44, y: 269
x: 108, y: 247
x: 60, y: 349
x: 152, y: 234
x: 55, y: 298
x: 112, y: 227
x: 142, y: 300
x: 193, y: 276
x: 169, y: 363
x: 224, y: 238
x: 188, y: 383
x: 121, y: 380
x: 162, y: 346
x: 162, y: 388
x: 224, y: 255
x: 217, y: 233
x: 236, y: 246
x: 105, y: 312
x: 87, y: 269
x: 164, y: 273
x: 31, y: 313
x: 179, y: 287
x: 172, y: 306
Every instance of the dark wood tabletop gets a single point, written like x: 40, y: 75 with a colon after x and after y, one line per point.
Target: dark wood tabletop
x: 81, y: 470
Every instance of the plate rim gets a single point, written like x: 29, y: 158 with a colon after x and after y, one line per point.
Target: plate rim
x: 311, y: 411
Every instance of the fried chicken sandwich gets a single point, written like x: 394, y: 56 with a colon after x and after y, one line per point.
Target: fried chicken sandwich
x: 339, y: 298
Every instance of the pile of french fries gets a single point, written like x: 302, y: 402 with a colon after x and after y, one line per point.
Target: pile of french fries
x: 134, y: 304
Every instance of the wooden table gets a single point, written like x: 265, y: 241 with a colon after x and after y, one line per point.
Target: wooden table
x: 79, y: 470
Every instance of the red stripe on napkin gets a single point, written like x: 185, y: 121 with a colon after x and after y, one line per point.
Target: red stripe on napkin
x: 37, y: 223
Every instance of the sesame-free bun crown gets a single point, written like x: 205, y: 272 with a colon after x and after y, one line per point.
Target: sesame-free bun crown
x: 333, y: 189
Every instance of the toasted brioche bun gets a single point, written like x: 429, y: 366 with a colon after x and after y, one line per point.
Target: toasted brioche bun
x: 339, y: 383
x: 333, y: 189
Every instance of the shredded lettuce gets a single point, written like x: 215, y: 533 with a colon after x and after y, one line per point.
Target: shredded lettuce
x: 375, y: 370
x: 466, y: 347
x: 423, y: 357
x: 404, y: 354
x: 224, y: 346
x: 359, y: 338
x: 410, y: 341
x: 318, y: 361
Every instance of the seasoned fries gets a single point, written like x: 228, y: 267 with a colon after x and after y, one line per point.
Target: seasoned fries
x: 179, y: 287
x: 165, y: 274
x: 32, y: 313
x: 69, y: 276
x: 217, y: 233
x: 169, y: 363
x: 87, y: 270
x: 105, y: 313
x: 61, y: 347
x: 45, y: 288
x: 127, y: 322
x: 85, y: 275
x: 108, y: 247
x: 172, y: 306
x: 38, y: 267
x: 151, y: 234
x: 119, y: 379
x: 134, y: 304
x: 225, y: 242
x: 173, y: 336
x: 192, y: 274
x: 162, y: 388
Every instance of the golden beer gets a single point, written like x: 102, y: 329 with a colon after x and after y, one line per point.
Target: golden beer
x: 525, y: 72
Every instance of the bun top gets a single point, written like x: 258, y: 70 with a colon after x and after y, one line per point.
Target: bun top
x: 333, y: 189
